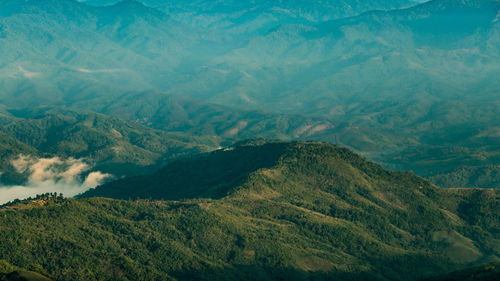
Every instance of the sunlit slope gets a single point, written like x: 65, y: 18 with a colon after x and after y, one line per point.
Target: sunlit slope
x: 298, y: 211
x: 454, y: 142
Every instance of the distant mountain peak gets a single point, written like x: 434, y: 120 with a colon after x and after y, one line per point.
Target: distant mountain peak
x: 132, y: 5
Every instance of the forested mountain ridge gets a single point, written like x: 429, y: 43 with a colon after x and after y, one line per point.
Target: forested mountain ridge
x: 133, y: 47
x: 214, y: 14
x: 387, y: 83
x: 488, y: 272
x: 311, y: 211
x: 249, y: 140
x: 236, y: 164
x: 109, y: 144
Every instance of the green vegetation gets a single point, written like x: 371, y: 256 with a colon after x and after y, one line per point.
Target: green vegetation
x: 110, y: 144
x: 488, y: 272
x: 480, y: 176
x: 210, y: 175
x: 9, y: 149
x: 300, y: 211
x: 388, y: 83
x: 9, y: 272
x: 153, y: 92
x: 23, y: 276
x: 452, y: 144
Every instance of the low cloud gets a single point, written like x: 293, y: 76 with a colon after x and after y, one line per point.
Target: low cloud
x: 27, y: 73
x: 108, y: 70
x: 66, y: 176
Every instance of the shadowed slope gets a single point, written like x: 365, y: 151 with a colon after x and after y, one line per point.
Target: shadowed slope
x: 488, y: 272
x: 211, y: 175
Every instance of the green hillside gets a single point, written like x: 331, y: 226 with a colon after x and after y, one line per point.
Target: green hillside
x: 453, y: 143
x: 488, y: 272
x: 110, y: 144
x: 275, y: 140
x: 211, y: 175
x: 8, y: 272
x: 378, y: 76
x: 23, y: 276
x: 298, y: 211
x: 9, y: 149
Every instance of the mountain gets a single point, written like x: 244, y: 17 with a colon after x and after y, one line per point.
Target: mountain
x: 207, y: 176
x: 9, y: 272
x: 195, y: 117
x: 130, y: 46
x: 229, y: 13
x: 300, y: 211
x: 429, y: 133
x: 481, y: 176
x: 110, y: 144
x: 123, y: 152
x: 9, y: 149
x: 78, y: 52
x: 488, y: 272
x: 24, y: 276
x: 127, y: 46
x: 377, y: 56
x: 384, y: 82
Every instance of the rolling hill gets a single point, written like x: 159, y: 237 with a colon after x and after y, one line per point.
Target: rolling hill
x: 138, y: 111
x: 488, y: 272
x: 385, y: 83
x: 109, y: 144
x: 301, y: 211
x: 453, y: 143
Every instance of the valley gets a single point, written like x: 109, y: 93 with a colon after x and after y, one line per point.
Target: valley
x: 384, y: 83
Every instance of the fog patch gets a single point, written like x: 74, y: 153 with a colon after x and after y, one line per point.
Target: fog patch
x: 67, y: 176
x: 94, y: 179
x: 108, y: 70
x: 27, y: 73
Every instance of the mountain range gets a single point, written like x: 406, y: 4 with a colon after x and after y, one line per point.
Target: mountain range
x: 108, y: 144
x: 249, y: 140
x: 377, y: 76
x: 300, y: 211
x: 127, y: 46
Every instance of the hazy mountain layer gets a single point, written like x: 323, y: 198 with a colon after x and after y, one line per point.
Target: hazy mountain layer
x: 322, y: 67
x: 453, y: 159
x: 245, y: 16
x: 453, y: 142
x: 91, y: 92
x: 387, y: 83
